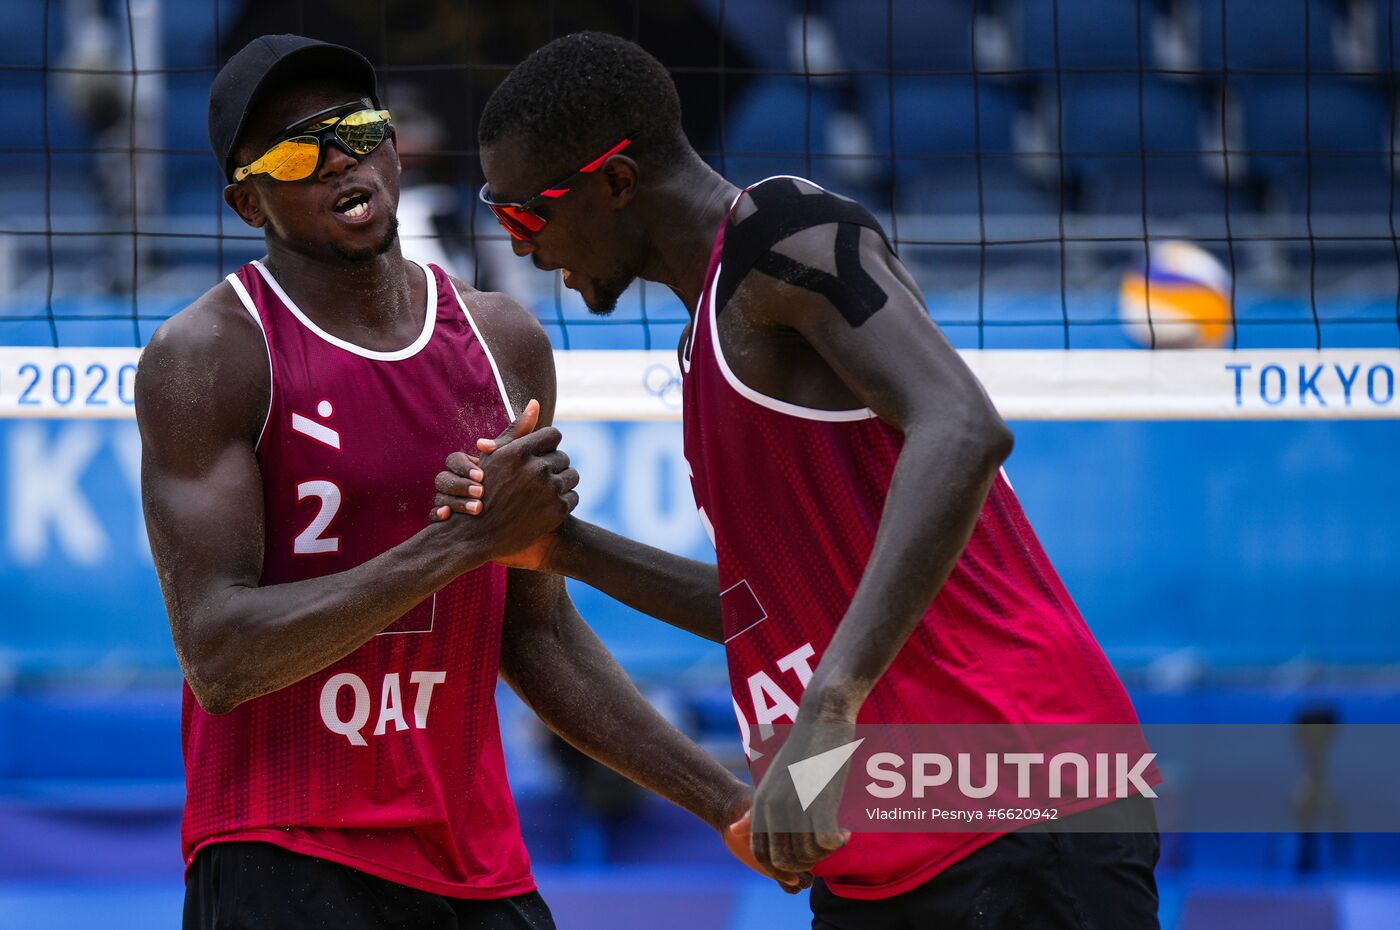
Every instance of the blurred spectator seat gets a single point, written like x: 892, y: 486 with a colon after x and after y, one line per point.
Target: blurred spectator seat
x: 1091, y: 33
x: 760, y: 27
x: 773, y: 129
x: 1123, y: 141
x: 927, y: 35
x: 1332, y: 128
x: 1268, y: 35
x: 22, y: 156
x: 943, y: 127
x: 1386, y: 32
x: 24, y: 26
x: 193, y: 181
x: 187, y: 29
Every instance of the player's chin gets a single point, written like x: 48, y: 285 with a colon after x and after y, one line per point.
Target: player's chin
x: 601, y: 307
x: 368, y: 242
x: 602, y: 297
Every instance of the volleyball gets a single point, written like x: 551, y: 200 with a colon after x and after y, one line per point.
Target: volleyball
x: 1179, y: 298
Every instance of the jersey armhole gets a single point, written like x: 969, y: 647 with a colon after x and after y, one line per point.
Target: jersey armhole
x: 247, y: 300
x: 485, y: 347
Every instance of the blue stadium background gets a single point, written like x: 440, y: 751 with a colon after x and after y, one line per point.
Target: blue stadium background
x: 1022, y: 152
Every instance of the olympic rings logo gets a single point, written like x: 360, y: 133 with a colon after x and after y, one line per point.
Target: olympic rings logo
x: 664, y: 383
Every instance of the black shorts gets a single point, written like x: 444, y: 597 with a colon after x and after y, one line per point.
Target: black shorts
x: 1028, y: 880
x: 259, y: 886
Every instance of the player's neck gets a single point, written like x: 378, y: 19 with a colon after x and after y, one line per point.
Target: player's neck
x: 684, y: 213
x: 370, y: 296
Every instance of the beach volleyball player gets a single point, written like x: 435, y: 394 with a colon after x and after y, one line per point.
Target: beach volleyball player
x: 343, y: 758
x: 875, y: 564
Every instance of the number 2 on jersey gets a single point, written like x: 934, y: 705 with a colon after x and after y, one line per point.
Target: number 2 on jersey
x: 310, y: 541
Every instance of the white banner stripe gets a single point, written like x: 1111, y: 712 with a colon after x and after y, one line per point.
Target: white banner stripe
x: 1025, y: 384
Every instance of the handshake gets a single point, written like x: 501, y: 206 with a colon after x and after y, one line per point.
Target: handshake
x: 512, y: 495
x: 531, y: 491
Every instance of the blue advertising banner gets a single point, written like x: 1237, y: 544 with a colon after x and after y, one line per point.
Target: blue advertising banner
x: 1214, y: 543
x: 75, y: 567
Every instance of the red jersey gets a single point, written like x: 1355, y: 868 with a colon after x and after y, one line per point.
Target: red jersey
x: 389, y: 760
x: 792, y: 498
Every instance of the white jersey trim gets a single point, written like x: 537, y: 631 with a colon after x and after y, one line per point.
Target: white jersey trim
x: 247, y: 300
x: 397, y: 355
x: 485, y: 347
x: 763, y: 400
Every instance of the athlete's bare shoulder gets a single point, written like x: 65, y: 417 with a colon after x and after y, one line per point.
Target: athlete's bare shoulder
x: 505, y: 322
x: 518, y: 343
x: 790, y: 233
x: 205, y: 371
x: 215, y: 315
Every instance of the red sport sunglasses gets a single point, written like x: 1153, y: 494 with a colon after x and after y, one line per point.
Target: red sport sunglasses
x: 520, y: 219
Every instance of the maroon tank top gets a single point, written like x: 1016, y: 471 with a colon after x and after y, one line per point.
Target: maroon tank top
x: 792, y: 498
x: 390, y: 759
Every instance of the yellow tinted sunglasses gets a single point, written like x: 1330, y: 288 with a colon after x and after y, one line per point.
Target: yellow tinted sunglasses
x: 297, y: 157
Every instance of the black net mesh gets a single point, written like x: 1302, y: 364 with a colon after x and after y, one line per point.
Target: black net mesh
x: 1029, y: 158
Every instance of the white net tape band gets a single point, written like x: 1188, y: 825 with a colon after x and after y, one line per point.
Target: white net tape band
x: 1051, y: 384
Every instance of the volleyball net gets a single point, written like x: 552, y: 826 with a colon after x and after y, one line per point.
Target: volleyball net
x: 1116, y: 208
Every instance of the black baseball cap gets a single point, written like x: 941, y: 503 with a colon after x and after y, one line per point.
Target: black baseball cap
x: 262, y: 65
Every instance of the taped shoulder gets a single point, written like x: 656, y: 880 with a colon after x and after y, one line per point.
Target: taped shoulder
x: 782, y: 207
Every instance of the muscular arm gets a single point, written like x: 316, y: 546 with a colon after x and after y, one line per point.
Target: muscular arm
x: 552, y: 658
x: 557, y: 666
x: 201, y: 398
x: 672, y: 588
x: 680, y: 591
x: 852, y: 329
x: 893, y: 360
